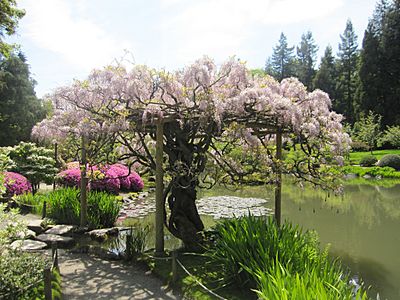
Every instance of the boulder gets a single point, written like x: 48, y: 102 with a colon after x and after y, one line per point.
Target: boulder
x: 28, y: 245
x: 103, y: 234
x: 28, y: 234
x: 62, y: 230
x: 62, y: 241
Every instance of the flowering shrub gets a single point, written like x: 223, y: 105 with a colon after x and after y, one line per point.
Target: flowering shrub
x: 69, y: 178
x: 111, y: 179
x: 105, y: 179
x: 131, y: 182
x: 16, y: 184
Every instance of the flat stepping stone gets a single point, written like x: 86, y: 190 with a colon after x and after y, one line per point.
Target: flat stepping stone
x: 28, y: 245
x: 28, y: 234
x: 61, y: 230
x: 62, y: 241
x: 35, y: 225
x: 103, y: 234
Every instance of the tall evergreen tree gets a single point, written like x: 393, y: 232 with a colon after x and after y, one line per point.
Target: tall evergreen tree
x: 20, y: 109
x: 281, y: 65
x: 306, y: 57
x: 325, y: 78
x: 380, y: 63
x: 347, y: 73
x: 391, y: 63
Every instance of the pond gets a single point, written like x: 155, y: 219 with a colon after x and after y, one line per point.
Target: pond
x: 362, y: 226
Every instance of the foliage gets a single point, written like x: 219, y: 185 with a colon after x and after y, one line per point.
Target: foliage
x: 69, y: 178
x: 63, y: 206
x: 10, y: 226
x: 9, y: 17
x: 379, y: 66
x: 16, y: 184
x: 203, y: 106
x: 306, y: 58
x: 249, y: 250
x: 359, y: 146
x: 33, y: 201
x: 390, y: 160
x: 355, y: 157
x: 20, y: 274
x: 384, y: 172
x: 325, y: 77
x: 136, y: 241
x: 111, y: 178
x: 368, y: 161
x: 391, y: 136
x: 282, y: 284
x: 282, y: 62
x: 368, y: 130
x: 20, y: 109
x: 347, y: 75
x: 35, y: 163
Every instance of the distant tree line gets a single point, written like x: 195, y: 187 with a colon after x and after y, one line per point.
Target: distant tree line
x: 358, y: 80
x: 20, y: 109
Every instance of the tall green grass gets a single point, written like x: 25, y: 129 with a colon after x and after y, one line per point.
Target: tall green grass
x: 278, y: 263
x: 63, y: 206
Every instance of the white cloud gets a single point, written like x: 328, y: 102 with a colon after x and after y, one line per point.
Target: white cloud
x: 219, y: 27
x: 61, y: 27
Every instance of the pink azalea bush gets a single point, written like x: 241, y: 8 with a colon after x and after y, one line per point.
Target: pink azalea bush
x: 111, y: 178
x: 16, y: 184
x: 69, y: 178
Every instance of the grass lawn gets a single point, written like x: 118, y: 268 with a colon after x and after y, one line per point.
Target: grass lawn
x: 355, y: 157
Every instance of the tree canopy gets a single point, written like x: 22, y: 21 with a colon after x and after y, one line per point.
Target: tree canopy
x: 9, y: 17
x: 204, y: 108
x: 20, y: 109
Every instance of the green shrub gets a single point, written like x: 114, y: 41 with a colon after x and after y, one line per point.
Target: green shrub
x: 390, y: 160
x: 20, y: 275
x: 359, y: 146
x: 384, y: 172
x: 368, y: 161
x: 254, y: 252
x: 63, y: 206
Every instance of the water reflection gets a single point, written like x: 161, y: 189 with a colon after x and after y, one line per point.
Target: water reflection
x: 361, y: 226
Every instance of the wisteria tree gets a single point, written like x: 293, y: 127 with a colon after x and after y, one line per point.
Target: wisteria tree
x: 205, y: 110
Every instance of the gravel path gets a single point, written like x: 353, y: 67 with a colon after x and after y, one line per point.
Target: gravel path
x: 88, y: 277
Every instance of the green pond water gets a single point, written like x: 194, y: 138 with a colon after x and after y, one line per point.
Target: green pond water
x: 362, y: 226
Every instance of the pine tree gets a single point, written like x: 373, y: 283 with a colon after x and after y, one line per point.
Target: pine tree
x: 347, y: 73
x: 325, y: 78
x: 281, y: 65
x: 306, y: 57
x: 391, y: 63
x: 20, y: 109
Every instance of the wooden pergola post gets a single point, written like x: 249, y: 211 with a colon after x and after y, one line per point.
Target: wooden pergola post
x: 56, y: 160
x: 278, y: 188
x: 159, y: 221
x: 84, y: 181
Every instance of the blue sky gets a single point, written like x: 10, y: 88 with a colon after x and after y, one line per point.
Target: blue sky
x: 65, y: 39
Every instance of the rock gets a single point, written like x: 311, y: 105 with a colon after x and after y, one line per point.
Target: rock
x: 366, y: 176
x: 28, y: 245
x: 35, y: 226
x: 103, y: 234
x: 61, y: 230
x: 350, y: 176
x: 26, y: 234
x: 379, y: 177
x: 62, y: 241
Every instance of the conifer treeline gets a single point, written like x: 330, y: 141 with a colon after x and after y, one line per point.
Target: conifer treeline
x: 358, y: 79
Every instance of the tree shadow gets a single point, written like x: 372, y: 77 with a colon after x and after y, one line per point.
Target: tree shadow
x: 89, y: 277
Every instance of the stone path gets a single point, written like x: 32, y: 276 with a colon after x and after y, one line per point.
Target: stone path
x: 89, y: 277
